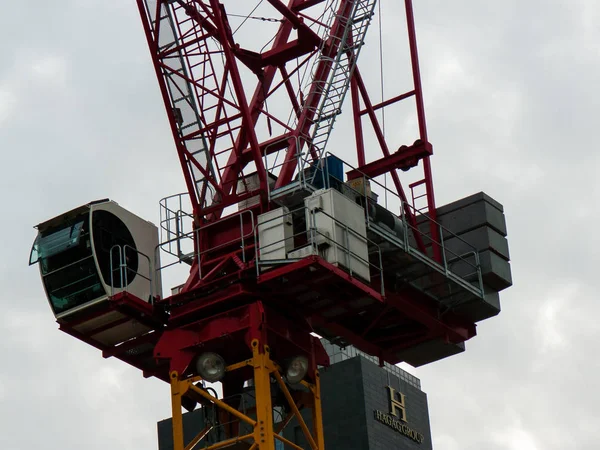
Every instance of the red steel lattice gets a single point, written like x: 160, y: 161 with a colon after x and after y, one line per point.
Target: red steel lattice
x: 217, y: 93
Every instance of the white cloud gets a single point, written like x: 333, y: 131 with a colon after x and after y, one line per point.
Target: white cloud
x: 550, y: 324
x: 512, y: 107
x: 447, y: 442
x: 8, y: 102
x: 50, y: 68
x: 518, y: 176
x: 515, y: 439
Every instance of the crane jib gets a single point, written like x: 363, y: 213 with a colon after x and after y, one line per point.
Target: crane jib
x: 216, y: 128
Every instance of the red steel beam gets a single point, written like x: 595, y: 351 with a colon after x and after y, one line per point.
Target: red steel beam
x: 258, y: 99
x: 358, y: 131
x: 296, y: 21
x: 389, y: 102
x: 238, y: 87
x: 154, y: 51
x: 314, y: 96
x: 404, y: 158
x: 414, y: 56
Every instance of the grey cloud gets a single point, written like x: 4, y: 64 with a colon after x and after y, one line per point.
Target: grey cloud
x: 511, y: 98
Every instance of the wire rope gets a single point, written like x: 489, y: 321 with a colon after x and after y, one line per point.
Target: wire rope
x: 381, y: 82
x: 247, y: 17
x: 381, y: 65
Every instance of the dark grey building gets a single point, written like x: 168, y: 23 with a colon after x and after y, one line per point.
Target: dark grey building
x: 365, y: 407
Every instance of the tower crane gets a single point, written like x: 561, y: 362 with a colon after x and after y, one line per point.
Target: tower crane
x: 285, y: 240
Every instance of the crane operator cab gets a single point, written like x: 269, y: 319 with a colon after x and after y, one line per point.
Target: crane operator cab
x: 88, y: 256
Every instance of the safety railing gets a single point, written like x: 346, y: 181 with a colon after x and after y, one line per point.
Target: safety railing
x: 125, y: 273
x: 463, y: 258
x: 468, y: 276
x: 274, y: 166
x: 176, y: 238
x: 177, y: 241
x: 318, y: 239
x: 309, y: 174
x: 464, y: 267
x: 242, y: 239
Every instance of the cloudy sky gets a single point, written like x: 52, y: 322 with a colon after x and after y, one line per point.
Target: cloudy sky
x: 512, y: 100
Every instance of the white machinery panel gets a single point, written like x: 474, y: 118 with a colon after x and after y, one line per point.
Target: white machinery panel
x: 334, y: 215
x: 275, y: 234
x: 145, y: 244
x: 252, y: 183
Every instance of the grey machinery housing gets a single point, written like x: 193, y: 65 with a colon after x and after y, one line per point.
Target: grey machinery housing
x: 472, y: 225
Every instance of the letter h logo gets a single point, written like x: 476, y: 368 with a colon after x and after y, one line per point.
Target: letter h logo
x: 397, y: 404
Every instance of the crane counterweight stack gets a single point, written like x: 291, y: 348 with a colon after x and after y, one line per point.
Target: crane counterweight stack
x: 284, y: 239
